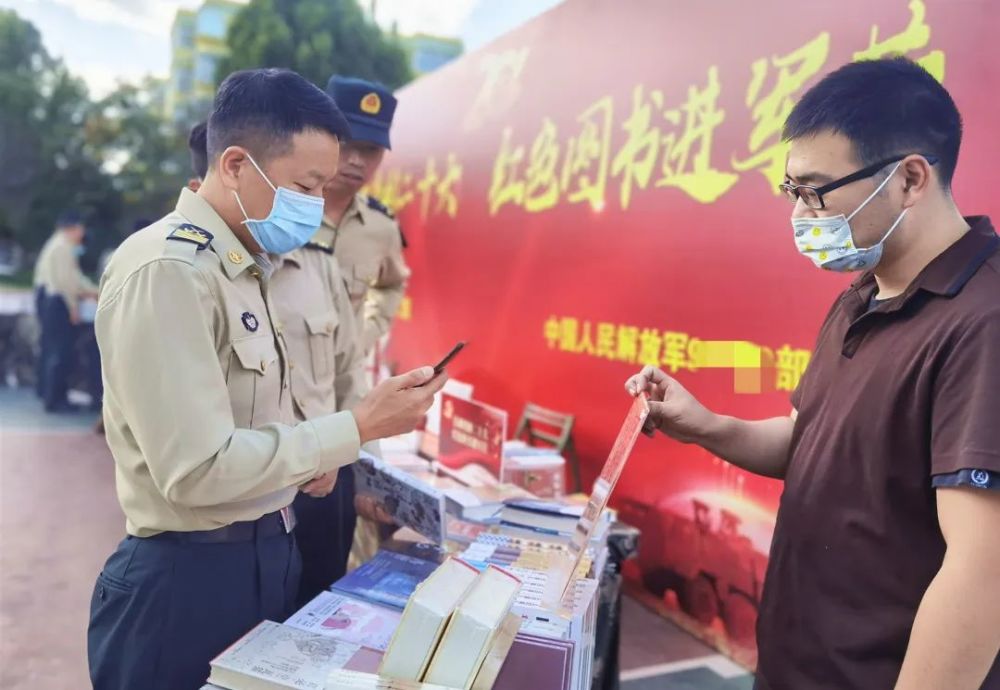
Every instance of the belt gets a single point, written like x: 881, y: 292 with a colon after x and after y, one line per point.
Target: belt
x: 270, y: 525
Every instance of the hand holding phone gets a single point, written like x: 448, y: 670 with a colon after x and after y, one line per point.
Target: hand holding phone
x: 439, y: 367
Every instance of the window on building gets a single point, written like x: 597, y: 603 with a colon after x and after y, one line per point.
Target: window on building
x: 213, y: 22
x: 205, y: 69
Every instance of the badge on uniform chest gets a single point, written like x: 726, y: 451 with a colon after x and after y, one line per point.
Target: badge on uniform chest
x: 250, y: 322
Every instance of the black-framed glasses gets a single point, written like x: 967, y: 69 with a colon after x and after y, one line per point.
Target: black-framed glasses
x: 813, y: 195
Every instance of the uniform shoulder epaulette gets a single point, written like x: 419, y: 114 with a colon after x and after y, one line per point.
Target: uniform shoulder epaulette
x: 187, y: 232
x: 321, y: 246
x: 377, y: 205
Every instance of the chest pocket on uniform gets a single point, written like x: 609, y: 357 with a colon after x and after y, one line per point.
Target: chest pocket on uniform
x: 321, y: 330
x: 365, y: 275
x: 253, y: 375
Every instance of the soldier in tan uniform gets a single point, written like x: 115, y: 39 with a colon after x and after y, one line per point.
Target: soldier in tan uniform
x: 60, y: 285
x: 367, y: 243
x: 327, y: 375
x: 317, y: 323
x: 198, y: 406
x: 365, y: 237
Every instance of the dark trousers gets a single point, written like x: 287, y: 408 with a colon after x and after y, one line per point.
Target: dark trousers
x: 164, y: 607
x: 58, y: 351
x: 91, y: 355
x: 40, y: 362
x: 324, y: 532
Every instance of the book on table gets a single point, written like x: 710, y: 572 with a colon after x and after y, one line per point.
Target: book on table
x: 410, y: 501
x: 537, y: 662
x: 424, y: 620
x: 476, y: 622
x: 273, y: 656
x: 345, y: 618
x: 496, y: 655
x: 388, y: 579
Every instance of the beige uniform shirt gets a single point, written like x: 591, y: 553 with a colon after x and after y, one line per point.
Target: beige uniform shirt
x: 197, y: 405
x: 369, y: 249
x: 58, y: 271
x: 316, y: 322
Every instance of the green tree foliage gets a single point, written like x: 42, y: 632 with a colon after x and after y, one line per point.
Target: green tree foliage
x: 316, y: 38
x: 114, y: 160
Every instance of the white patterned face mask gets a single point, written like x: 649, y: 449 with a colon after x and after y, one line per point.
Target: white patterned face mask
x: 829, y: 242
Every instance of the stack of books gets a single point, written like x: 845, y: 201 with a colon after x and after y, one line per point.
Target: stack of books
x: 516, y: 609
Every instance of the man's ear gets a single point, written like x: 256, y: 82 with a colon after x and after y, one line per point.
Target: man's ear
x: 918, y: 176
x: 231, y: 165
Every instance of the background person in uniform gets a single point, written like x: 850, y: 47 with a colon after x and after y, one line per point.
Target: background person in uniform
x: 327, y: 375
x: 59, y: 287
x: 884, y: 566
x: 198, y: 406
x: 367, y: 244
x: 365, y: 237
x: 326, y: 367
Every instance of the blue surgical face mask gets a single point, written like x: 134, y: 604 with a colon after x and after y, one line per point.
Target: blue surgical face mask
x: 829, y: 242
x: 294, y: 218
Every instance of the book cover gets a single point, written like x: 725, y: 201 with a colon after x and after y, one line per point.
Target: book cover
x: 348, y: 619
x: 590, y: 521
x: 472, y: 437
x: 278, y: 656
x: 411, y: 502
x: 574, y: 621
x: 389, y: 579
x: 537, y: 662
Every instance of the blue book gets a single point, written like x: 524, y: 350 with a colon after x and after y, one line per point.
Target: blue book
x: 388, y: 579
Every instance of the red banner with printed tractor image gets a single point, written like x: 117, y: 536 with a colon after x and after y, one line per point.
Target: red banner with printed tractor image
x: 596, y: 191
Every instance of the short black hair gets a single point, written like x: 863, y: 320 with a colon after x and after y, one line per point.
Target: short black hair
x: 68, y: 219
x: 261, y: 109
x: 886, y: 107
x: 198, y: 143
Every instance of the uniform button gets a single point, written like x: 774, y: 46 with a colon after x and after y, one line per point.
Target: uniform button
x: 291, y: 365
x: 235, y: 256
x: 263, y: 365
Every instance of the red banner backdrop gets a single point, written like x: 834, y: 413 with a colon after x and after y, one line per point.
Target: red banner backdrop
x: 595, y: 191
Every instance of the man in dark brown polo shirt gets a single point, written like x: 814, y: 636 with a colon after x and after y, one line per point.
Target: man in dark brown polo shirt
x: 885, y: 566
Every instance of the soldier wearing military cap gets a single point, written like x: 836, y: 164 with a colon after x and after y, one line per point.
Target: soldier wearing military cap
x: 366, y: 239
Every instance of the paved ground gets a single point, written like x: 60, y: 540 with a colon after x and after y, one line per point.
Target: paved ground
x: 59, y: 520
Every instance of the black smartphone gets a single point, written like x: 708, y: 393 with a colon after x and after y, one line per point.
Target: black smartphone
x: 439, y: 367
